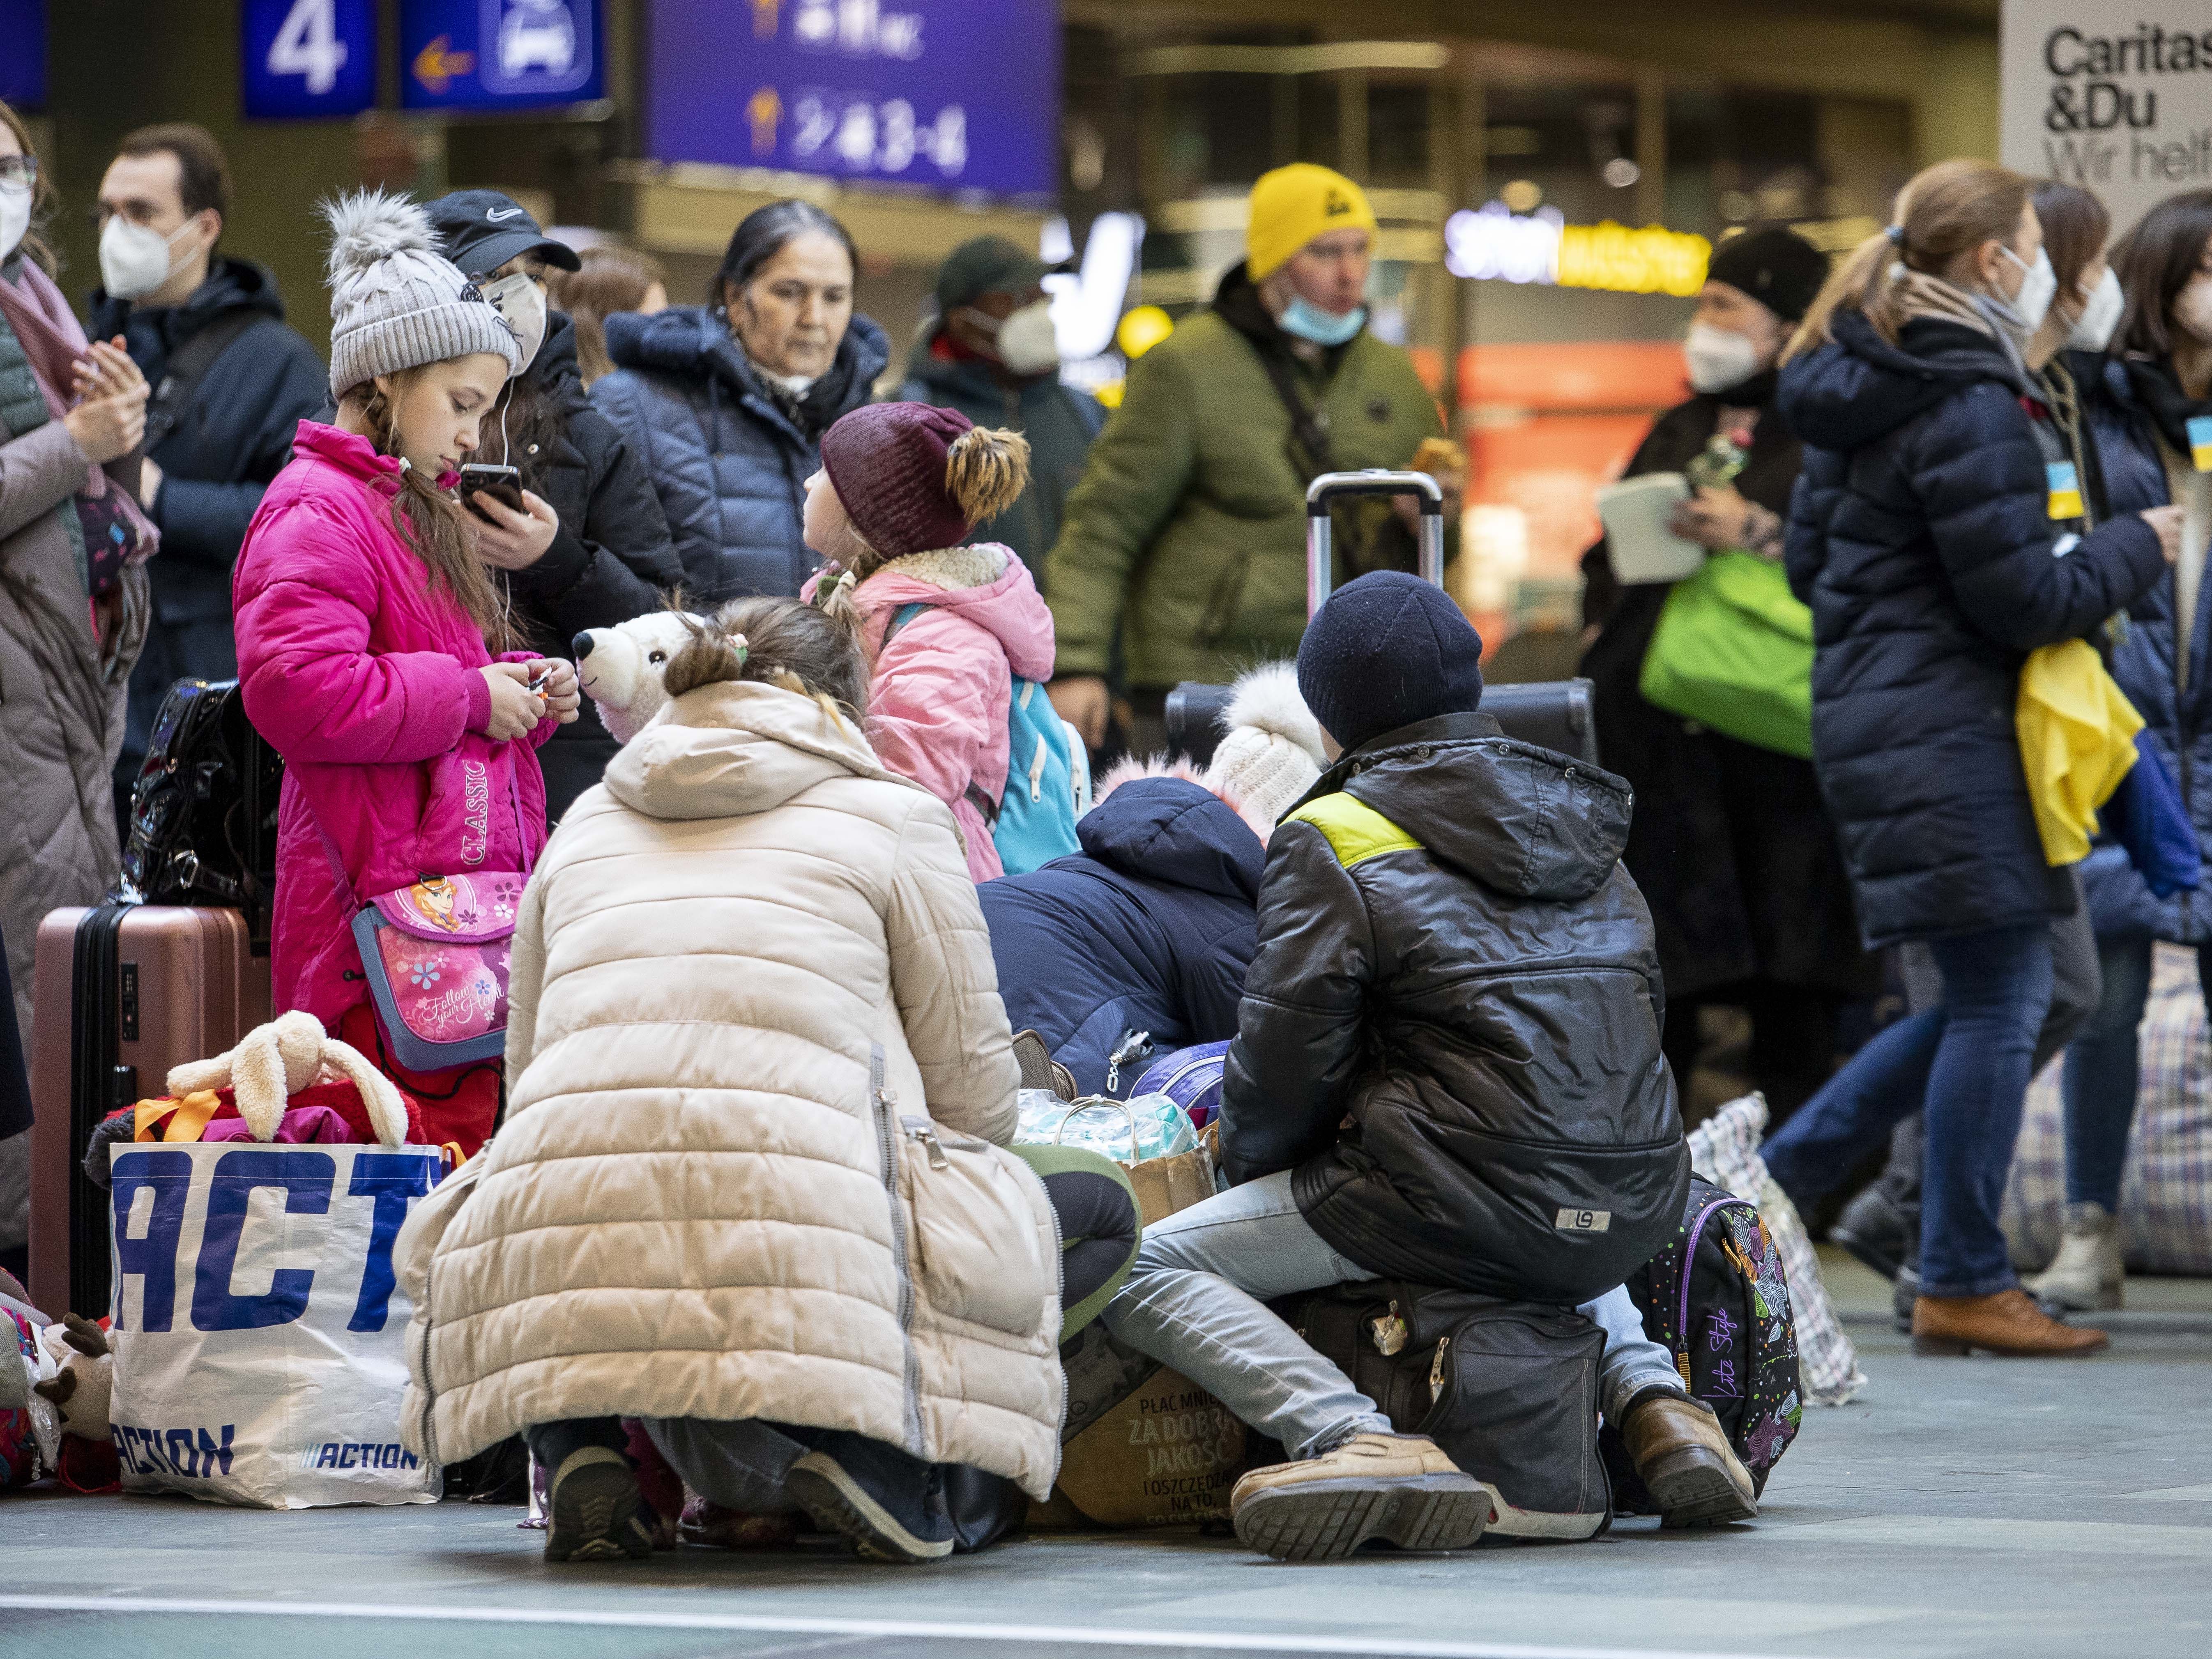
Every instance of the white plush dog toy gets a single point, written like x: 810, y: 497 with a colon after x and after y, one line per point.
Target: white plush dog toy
x: 276, y: 1060
x: 620, y: 668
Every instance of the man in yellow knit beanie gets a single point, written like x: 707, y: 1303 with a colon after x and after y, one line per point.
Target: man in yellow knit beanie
x: 1293, y: 205
x: 1185, y: 542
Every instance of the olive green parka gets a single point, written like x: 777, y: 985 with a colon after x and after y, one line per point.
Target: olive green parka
x: 1187, y: 535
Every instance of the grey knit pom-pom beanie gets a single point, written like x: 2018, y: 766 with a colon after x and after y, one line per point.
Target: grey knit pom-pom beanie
x: 395, y: 302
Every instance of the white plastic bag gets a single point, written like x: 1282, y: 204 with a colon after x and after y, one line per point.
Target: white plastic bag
x: 260, y: 1330
x: 1127, y: 1131
x: 1724, y: 1150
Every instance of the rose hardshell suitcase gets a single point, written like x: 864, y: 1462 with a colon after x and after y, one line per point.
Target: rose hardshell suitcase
x: 122, y: 993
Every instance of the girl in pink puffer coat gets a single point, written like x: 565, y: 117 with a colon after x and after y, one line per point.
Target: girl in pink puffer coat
x: 367, y: 629
x: 900, y: 485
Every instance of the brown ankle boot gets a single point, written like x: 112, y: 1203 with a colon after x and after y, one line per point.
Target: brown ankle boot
x: 2008, y: 1322
x: 1686, y: 1463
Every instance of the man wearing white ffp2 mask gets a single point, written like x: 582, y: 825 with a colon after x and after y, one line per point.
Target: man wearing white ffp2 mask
x: 993, y: 354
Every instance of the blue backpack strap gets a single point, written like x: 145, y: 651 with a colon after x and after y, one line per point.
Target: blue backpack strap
x: 900, y: 619
x: 906, y: 613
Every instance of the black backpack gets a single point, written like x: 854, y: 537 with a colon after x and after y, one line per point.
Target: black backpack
x: 1716, y: 1296
x: 203, y: 811
x: 1508, y: 1389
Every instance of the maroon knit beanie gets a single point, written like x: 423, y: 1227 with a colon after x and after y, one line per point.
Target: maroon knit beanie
x: 886, y: 462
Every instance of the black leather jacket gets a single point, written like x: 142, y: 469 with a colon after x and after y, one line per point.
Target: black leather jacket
x: 1450, y: 1031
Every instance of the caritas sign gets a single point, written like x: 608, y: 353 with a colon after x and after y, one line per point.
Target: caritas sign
x: 2113, y: 94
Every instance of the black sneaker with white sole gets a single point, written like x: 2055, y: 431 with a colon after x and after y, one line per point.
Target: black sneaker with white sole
x: 598, y: 1512
x: 886, y: 1506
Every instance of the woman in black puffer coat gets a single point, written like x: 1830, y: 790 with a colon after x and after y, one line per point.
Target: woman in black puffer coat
x: 1920, y: 536
x: 595, y: 551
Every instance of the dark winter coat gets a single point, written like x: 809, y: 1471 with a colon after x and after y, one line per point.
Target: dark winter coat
x: 610, y: 561
x: 729, y: 458
x: 225, y: 445
x: 1918, y: 535
x: 1451, y: 1030
x: 2178, y: 726
x: 1149, y: 928
x: 1730, y: 844
x: 1059, y: 421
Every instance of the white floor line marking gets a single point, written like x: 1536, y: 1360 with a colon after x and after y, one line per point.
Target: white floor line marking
x: 1284, y: 1642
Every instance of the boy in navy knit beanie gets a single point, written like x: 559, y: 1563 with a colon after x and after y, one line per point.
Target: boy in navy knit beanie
x: 1388, y: 650
x: 1447, y: 1072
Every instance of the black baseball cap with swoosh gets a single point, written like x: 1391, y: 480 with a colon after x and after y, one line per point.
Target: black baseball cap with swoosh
x: 480, y: 230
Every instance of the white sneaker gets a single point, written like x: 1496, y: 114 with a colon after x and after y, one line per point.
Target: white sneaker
x: 2089, y: 1271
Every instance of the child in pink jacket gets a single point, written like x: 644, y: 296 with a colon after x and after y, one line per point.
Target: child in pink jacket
x: 900, y: 485
x: 366, y: 631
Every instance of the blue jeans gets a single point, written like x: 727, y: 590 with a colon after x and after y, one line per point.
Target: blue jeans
x: 1968, y: 1058
x: 1194, y: 1302
x: 2102, y: 1073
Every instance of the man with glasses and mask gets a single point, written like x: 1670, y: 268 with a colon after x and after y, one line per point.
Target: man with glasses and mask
x: 231, y: 385
x: 990, y: 353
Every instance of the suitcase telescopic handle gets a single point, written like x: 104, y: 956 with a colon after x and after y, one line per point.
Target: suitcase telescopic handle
x: 1374, y: 481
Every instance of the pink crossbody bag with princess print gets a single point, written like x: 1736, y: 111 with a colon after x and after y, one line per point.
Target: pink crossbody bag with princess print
x: 435, y: 955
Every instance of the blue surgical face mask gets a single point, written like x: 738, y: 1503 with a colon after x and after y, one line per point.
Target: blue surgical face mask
x: 1325, y: 328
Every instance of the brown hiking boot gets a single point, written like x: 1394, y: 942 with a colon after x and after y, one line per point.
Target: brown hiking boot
x: 1399, y: 1488
x: 2008, y: 1322
x: 1686, y: 1463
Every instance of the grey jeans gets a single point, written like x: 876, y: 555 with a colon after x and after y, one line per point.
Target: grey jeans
x: 1194, y: 1302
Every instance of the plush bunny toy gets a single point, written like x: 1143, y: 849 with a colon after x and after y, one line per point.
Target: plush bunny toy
x: 276, y: 1060
x: 620, y: 668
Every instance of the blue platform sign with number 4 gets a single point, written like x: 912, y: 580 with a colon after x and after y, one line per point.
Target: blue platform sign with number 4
x: 308, y: 59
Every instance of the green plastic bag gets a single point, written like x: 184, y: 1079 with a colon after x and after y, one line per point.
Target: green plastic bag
x: 1734, y: 650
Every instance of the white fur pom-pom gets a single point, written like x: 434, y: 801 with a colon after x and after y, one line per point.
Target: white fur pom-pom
x: 1266, y: 698
x: 368, y: 227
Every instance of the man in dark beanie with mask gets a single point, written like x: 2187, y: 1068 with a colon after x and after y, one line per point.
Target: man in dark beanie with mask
x: 1731, y: 843
x: 1447, y: 1067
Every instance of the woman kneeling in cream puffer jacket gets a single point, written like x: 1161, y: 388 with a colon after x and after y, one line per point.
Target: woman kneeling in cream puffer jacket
x: 751, y: 1186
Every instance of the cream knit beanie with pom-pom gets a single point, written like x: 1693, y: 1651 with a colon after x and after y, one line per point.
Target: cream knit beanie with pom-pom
x: 1271, y: 754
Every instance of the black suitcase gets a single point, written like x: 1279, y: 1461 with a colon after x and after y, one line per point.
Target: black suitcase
x: 1550, y: 713
x: 1557, y: 714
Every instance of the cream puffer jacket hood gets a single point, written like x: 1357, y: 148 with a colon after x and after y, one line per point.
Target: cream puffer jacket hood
x: 759, y: 1077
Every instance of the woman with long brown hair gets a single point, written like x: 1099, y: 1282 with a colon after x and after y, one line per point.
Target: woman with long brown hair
x: 1923, y: 535
x: 374, y: 648
x: 608, y: 279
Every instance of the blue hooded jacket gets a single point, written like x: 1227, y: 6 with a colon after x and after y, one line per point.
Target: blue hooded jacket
x: 2178, y: 728
x: 729, y: 460
x: 1918, y: 535
x: 1149, y: 928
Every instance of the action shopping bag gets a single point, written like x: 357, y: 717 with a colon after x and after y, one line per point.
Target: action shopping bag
x: 259, y: 1332
x: 1734, y: 650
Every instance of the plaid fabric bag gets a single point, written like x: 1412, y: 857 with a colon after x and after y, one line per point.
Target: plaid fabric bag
x: 2166, y: 1190
x: 1724, y: 1150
